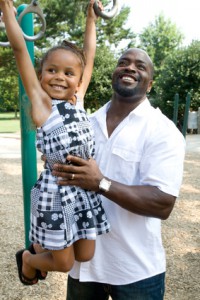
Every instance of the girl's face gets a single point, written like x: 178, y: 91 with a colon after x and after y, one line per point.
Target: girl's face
x: 61, y: 74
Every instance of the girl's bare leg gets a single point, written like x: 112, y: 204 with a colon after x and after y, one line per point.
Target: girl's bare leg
x: 58, y: 260
x: 84, y: 250
x: 39, y: 249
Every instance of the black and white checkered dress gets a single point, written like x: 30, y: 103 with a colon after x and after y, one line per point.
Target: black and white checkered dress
x: 61, y: 215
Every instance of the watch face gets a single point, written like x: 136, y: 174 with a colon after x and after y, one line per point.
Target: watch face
x: 104, y: 185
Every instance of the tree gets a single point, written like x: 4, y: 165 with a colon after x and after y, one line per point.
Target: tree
x: 8, y: 83
x: 100, y: 91
x: 180, y: 74
x: 160, y: 39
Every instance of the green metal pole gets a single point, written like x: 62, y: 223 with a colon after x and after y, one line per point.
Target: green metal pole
x: 186, y: 113
x: 175, y: 114
x: 28, y: 150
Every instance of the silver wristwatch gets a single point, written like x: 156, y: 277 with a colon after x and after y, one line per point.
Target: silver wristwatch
x: 104, y: 185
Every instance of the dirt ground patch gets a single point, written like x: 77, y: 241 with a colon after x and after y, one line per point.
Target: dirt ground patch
x: 180, y: 236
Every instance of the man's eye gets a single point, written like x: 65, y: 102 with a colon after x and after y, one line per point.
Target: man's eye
x: 141, y: 67
x: 121, y: 63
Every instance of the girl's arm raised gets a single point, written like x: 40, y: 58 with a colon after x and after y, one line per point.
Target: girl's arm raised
x: 41, y: 102
x: 89, y: 47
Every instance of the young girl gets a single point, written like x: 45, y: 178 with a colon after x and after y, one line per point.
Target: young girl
x: 64, y: 220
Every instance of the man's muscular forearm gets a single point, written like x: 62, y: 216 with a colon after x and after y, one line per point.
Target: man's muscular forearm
x: 143, y: 200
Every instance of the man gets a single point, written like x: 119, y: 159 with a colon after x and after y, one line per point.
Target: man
x: 138, y: 171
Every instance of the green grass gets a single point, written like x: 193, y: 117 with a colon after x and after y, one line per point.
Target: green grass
x: 8, y: 123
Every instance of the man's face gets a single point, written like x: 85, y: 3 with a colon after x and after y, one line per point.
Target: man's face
x: 133, y: 74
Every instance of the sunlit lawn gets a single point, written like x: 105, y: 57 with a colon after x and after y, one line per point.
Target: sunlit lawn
x: 8, y: 123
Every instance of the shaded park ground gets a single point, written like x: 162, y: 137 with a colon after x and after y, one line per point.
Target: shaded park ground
x: 180, y: 232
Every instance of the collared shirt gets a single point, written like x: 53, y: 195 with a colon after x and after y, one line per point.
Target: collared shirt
x: 146, y: 148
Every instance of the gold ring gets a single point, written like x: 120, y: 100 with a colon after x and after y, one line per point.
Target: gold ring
x: 73, y: 175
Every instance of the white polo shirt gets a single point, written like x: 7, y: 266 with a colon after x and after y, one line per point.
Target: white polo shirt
x: 145, y: 149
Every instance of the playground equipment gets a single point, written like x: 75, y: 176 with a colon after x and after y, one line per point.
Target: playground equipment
x: 33, y: 7
x: 28, y: 151
x: 186, y: 112
x: 175, y: 113
x: 109, y: 14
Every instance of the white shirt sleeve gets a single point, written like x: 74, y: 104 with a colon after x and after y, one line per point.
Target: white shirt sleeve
x: 162, y: 160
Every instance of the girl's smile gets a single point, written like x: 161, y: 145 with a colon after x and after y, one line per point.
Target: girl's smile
x: 61, y: 74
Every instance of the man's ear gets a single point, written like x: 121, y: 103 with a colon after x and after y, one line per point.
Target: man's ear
x: 149, y: 86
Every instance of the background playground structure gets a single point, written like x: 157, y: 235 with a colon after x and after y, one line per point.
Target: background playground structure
x: 183, y: 122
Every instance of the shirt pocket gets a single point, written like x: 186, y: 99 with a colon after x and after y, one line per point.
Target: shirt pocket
x: 127, y: 162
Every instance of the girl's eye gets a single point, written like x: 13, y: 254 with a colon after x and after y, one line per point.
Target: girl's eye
x: 51, y: 70
x: 69, y: 73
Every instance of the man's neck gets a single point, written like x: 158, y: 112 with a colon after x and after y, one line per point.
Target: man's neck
x: 119, y: 109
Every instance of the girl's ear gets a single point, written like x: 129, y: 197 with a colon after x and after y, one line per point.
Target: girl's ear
x: 39, y: 76
x: 78, y: 86
x: 80, y: 82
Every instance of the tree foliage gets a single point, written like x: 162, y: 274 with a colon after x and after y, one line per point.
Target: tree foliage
x: 180, y: 74
x: 100, y: 91
x: 8, y: 82
x: 160, y: 39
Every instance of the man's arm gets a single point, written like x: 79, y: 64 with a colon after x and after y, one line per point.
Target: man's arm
x: 142, y: 200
